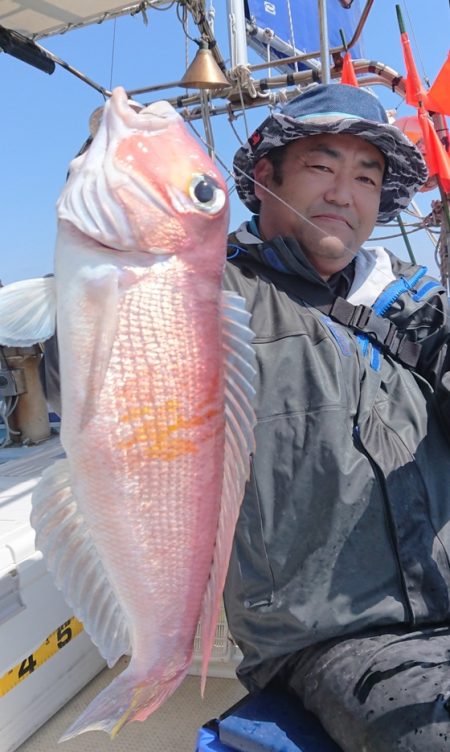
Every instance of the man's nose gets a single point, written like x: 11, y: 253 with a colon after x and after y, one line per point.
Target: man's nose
x: 340, y: 190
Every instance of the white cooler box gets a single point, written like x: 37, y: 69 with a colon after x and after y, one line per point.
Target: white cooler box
x: 45, y: 656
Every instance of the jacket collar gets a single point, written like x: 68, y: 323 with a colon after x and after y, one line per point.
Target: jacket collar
x: 284, y: 254
x: 373, y: 268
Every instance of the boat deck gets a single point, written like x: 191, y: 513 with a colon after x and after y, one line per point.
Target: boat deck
x: 172, y: 728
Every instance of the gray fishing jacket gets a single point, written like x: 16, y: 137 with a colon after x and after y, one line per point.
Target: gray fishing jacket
x: 345, y: 524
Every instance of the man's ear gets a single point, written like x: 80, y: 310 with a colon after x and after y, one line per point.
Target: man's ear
x: 263, y: 173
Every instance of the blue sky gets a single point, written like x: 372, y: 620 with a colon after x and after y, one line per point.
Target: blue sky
x: 44, y: 118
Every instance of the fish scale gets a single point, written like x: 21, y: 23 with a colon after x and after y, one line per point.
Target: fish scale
x: 155, y: 512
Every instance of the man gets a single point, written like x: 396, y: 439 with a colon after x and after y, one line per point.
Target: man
x: 339, y: 581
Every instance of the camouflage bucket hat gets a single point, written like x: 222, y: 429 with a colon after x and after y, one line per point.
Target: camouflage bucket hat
x: 339, y: 109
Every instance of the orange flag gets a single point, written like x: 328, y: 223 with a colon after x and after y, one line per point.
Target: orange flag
x: 348, y: 75
x: 437, y: 159
x: 438, y: 97
x: 415, y: 93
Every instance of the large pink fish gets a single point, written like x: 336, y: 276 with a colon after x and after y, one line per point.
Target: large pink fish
x: 156, y: 365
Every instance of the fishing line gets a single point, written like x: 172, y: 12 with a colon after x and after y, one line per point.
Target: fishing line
x: 232, y: 117
x: 312, y: 224
x: 427, y: 80
x: 291, y: 208
x: 112, y: 54
x: 295, y: 211
x: 241, y: 97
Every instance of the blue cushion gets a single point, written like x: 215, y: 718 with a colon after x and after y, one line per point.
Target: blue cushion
x: 208, y: 741
x: 272, y: 721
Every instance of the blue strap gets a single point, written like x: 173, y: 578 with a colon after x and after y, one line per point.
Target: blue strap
x: 363, y: 341
x: 237, y: 251
x: 397, y: 288
x: 419, y: 294
x: 340, y: 336
x: 375, y: 357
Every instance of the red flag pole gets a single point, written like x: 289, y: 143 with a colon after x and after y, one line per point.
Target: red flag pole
x: 348, y: 75
x: 437, y: 158
x: 415, y: 93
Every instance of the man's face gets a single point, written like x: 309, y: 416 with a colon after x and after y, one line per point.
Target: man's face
x: 330, y: 196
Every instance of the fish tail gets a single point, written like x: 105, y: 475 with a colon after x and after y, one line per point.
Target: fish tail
x: 125, y: 699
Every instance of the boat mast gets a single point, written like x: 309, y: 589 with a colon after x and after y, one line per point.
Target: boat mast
x: 238, y: 37
x: 237, y: 33
x: 324, y: 42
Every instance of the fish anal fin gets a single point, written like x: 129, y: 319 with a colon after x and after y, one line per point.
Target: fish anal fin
x: 60, y: 526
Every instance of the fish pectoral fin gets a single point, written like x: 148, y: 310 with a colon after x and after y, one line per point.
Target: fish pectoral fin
x: 27, y: 312
x: 240, y: 419
x: 71, y: 556
x: 102, y: 301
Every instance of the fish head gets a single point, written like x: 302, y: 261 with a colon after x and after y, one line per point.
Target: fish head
x: 146, y: 185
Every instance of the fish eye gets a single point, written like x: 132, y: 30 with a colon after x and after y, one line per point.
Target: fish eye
x: 206, y: 194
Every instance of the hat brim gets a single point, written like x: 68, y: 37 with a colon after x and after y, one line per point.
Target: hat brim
x: 405, y: 170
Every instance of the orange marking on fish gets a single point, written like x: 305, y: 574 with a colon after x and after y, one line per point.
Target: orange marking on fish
x: 156, y: 427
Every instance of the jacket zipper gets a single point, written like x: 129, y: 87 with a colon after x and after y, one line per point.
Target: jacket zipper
x: 380, y: 478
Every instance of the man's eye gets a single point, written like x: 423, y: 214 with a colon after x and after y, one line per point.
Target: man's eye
x: 366, y: 179
x: 321, y: 167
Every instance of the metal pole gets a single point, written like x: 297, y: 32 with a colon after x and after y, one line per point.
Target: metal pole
x: 406, y: 239
x: 237, y: 33
x: 209, y: 135
x: 324, y: 42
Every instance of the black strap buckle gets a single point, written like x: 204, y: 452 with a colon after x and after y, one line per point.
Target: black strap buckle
x: 361, y: 316
x: 406, y: 350
x: 376, y: 326
x: 378, y: 329
x: 363, y: 319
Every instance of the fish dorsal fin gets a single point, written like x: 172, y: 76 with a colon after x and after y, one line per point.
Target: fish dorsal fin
x: 240, y: 420
x: 70, y: 555
x: 27, y: 312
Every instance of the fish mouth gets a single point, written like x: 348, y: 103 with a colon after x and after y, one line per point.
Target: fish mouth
x: 155, y: 117
x: 153, y: 120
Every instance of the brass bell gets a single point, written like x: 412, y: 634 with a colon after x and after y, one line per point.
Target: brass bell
x: 204, y: 72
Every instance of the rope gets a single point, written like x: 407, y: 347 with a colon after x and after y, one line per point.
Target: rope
x: 242, y: 77
x: 183, y: 18
x: 211, y: 15
x: 395, y: 235
x: 291, y: 31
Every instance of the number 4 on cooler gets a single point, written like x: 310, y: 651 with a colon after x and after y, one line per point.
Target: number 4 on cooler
x: 27, y: 666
